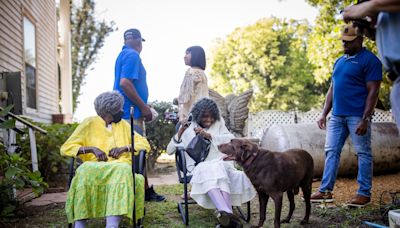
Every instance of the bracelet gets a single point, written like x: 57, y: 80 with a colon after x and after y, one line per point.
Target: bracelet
x: 83, y: 148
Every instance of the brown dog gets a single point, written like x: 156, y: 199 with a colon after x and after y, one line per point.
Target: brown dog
x: 273, y: 173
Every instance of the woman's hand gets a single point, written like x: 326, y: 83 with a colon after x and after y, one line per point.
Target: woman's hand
x: 116, y: 152
x: 100, y: 155
x: 183, y: 128
x: 202, y: 132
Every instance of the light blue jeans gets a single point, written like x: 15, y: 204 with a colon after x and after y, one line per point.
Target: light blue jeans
x: 339, y: 128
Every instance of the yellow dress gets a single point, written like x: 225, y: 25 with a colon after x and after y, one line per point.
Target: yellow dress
x: 102, y: 189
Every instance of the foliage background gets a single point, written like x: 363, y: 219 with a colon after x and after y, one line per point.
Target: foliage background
x: 159, y: 132
x: 287, y: 62
x: 87, y: 37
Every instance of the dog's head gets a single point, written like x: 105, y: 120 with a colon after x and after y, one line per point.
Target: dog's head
x: 239, y: 150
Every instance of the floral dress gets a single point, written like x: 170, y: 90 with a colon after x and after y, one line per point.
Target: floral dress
x: 101, y: 189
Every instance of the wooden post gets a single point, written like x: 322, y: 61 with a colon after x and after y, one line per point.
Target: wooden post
x: 32, y: 140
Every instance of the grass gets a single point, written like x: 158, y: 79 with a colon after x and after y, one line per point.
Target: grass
x: 165, y: 214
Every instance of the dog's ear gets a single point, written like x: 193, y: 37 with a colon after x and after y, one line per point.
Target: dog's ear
x: 249, y: 147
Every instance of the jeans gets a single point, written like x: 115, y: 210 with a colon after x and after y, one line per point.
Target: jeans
x: 395, y: 101
x: 339, y: 128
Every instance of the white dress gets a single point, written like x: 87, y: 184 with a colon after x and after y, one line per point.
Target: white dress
x: 214, y: 172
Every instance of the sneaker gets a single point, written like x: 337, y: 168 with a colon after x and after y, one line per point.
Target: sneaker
x: 151, y: 195
x: 321, y: 197
x: 359, y: 201
x: 228, y: 220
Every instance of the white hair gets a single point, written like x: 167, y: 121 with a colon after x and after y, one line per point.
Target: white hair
x: 108, y: 103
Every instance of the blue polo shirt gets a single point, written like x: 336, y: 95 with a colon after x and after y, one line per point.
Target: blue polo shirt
x: 349, y: 78
x: 129, y: 66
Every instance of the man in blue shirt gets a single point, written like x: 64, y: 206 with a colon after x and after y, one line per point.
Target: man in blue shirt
x: 130, y: 81
x: 387, y: 25
x: 353, y: 95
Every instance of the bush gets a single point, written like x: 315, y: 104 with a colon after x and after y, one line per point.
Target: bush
x: 159, y: 132
x: 16, y: 174
x: 52, y: 165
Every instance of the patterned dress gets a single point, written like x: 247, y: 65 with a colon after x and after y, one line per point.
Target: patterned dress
x: 102, y: 189
x: 194, y: 87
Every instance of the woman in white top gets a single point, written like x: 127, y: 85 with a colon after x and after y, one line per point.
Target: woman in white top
x: 194, y: 85
x: 215, y: 182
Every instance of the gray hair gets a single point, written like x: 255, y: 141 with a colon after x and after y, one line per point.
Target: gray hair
x: 108, y: 103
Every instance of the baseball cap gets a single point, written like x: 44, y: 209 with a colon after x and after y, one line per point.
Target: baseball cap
x: 349, y: 32
x: 135, y: 33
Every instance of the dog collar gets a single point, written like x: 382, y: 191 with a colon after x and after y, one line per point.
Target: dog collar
x: 250, y: 160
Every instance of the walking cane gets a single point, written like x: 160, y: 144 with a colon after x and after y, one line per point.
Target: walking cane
x: 133, y: 167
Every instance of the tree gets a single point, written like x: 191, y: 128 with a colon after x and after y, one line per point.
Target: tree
x: 270, y: 58
x: 159, y: 132
x: 87, y: 37
x: 324, y: 46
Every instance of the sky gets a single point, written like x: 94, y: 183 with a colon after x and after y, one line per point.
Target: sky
x: 170, y: 27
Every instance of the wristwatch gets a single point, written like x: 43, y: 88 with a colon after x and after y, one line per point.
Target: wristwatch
x: 367, y: 118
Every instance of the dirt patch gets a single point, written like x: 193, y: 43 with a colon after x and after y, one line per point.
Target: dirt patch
x: 346, y: 188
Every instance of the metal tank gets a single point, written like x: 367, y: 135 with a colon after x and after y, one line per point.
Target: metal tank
x: 385, y: 146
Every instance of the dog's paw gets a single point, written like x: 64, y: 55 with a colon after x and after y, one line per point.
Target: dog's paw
x: 285, y: 220
x: 304, y: 222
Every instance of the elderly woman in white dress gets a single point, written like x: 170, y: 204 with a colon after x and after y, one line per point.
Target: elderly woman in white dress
x: 215, y: 182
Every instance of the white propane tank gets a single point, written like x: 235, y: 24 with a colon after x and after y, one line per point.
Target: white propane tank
x: 385, y: 146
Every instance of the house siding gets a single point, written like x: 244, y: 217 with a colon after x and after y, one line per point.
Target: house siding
x: 42, y: 13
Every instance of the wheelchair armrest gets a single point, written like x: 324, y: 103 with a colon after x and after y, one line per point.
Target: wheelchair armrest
x: 141, y: 162
x: 180, y: 161
x: 71, y: 168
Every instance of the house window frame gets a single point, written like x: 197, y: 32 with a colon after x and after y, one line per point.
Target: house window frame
x: 26, y: 15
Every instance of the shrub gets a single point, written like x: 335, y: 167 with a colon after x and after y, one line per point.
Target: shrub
x: 159, y: 132
x: 52, y: 165
x: 14, y: 173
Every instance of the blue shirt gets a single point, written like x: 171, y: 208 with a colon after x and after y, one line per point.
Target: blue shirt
x: 349, y: 78
x: 129, y: 66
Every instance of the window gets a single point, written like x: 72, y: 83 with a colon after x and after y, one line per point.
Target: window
x: 30, y: 62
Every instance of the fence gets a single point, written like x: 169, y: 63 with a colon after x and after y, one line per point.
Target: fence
x: 259, y: 122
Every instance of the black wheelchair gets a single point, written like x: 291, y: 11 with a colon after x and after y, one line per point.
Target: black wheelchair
x: 140, y: 168
x: 184, y: 178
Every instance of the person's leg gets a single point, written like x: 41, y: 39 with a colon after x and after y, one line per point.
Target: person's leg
x: 150, y: 194
x: 227, y: 198
x: 395, y: 101
x: 80, y: 223
x: 219, y: 201
x: 113, y: 221
x: 362, y: 146
x: 336, y: 135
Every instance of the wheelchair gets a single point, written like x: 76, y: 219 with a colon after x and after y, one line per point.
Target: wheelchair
x: 140, y: 168
x: 184, y: 178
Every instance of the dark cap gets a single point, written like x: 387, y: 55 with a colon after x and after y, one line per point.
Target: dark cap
x: 134, y: 33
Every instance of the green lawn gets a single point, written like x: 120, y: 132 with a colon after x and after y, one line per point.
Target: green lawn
x: 165, y: 214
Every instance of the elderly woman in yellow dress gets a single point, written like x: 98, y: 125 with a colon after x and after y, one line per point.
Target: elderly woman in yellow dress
x: 103, y: 184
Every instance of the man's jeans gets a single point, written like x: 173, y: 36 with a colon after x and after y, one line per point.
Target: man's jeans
x: 338, y: 130
x: 395, y: 101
